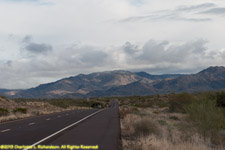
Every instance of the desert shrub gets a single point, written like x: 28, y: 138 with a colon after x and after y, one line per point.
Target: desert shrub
x: 138, y: 112
x: 59, y: 103
x: 4, y: 112
x: 3, y: 97
x: 179, y: 101
x: 160, y: 103
x: 124, y: 111
x: 220, y: 99
x: 174, y: 118
x: 156, y: 112
x: 36, y: 113
x: 135, y: 109
x: 20, y: 110
x: 162, y: 122
x: 145, y: 127
x: 143, y: 101
x: 97, y: 105
x: 65, y: 103
x: 208, y: 118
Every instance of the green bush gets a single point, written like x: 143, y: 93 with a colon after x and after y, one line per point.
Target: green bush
x: 145, y: 127
x: 3, y: 97
x: 97, y: 105
x: 4, y: 112
x: 174, y: 118
x: 162, y: 122
x: 220, y: 99
x: 179, y: 101
x: 20, y: 110
x: 206, y: 115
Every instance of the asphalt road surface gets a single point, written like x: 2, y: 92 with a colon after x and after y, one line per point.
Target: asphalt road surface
x: 93, y: 127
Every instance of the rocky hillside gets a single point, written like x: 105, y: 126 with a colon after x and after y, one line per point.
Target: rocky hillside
x: 212, y: 78
x: 125, y: 83
x: 81, y: 85
x: 158, y: 77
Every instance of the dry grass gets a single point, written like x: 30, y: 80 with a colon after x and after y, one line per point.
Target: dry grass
x: 30, y: 109
x: 171, y: 131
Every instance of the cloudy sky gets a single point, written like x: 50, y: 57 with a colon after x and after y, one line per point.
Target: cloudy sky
x: 45, y: 40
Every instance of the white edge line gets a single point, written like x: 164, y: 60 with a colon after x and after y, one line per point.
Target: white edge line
x: 6, y: 130
x: 63, y: 129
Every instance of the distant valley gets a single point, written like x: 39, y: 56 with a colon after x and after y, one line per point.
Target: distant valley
x: 124, y: 83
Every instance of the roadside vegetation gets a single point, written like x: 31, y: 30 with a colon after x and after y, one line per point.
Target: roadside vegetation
x: 157, y: 122
x: 22, y: 108
x: 173, y: 121
x: 3, y: 112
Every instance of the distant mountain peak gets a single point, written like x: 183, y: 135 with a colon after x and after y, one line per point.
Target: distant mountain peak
x: 112, y: 72
x: 213, y: 69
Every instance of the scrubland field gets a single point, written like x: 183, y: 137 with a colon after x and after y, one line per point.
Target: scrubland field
x: 23, y: 108
x: 158, y: 122
x: 173, y: 121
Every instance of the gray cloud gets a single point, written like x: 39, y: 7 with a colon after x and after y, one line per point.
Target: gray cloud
x: 93, y: 58
x: 35, y: 2
x: 215, y: 11
x: 193, y: 19
x: 195, y: 7
x: 130, y: 49
x: 162, y: 52
x: 173, y: 69
x: 38, y: 48
x: 84, y: 56
x: 27, y: 39
x: 164, y: 57
x: 31, y: 71
x: 136, y: 2
x: 172, y: 16
x: 178, y: 14
x: 9, y: 63
x: 153, y: 56
x: 49, y: 55
x: 34, y: 47
x: 175, y: 17
x: 22, y: 0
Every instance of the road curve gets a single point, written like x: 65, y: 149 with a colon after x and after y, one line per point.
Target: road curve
x: 79, y: 127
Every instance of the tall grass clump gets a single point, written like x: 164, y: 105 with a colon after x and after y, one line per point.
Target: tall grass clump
x: 3, y: 112
x: 145, y: 127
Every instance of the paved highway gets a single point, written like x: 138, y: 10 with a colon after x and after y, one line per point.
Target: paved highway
x: 99, y: 127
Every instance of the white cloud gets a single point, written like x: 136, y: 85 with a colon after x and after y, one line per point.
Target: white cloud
x: 154, y: 56
x: 53, y: 25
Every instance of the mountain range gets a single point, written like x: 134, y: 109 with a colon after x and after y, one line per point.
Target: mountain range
x: 124, y: 83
